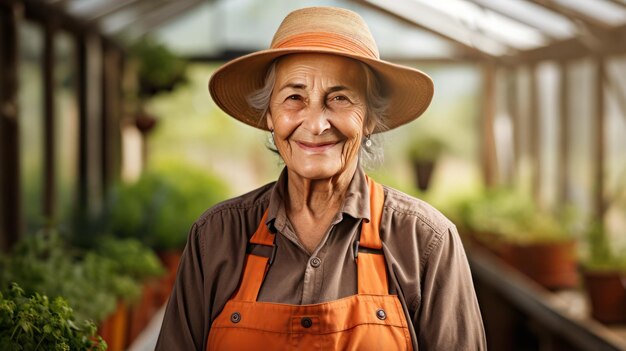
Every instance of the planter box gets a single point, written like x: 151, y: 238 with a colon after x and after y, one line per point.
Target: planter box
x: 113, y: 329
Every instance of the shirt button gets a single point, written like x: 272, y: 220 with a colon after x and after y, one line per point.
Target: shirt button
x: 381, y: 314
x: 306, y: 322
x: 235, y: 317
x: 316, y: 262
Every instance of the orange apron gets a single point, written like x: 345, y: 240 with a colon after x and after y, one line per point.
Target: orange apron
x: 370, y: 320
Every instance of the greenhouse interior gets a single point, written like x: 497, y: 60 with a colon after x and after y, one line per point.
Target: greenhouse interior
x: 111, y: 147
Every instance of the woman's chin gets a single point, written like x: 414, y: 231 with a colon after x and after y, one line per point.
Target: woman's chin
x: 316, y: 170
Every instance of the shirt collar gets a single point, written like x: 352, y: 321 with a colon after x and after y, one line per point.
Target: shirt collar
x: 355, y: 204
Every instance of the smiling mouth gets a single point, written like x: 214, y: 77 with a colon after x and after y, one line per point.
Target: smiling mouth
x: 316, y: 147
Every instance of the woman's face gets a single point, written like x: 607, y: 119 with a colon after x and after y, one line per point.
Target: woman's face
x: 317, y: 111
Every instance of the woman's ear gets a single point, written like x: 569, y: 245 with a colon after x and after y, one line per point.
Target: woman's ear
x: 268, y: 120
x: 370, y: 125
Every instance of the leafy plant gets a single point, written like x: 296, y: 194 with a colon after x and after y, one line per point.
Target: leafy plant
x: 160, y: 208
x: 131, y: 258
x: 91, y: 282
x: 512, y: 217
x: 602, y: 256
x: 426, y: 148
x: 34, y: 322
x: 159, y: 69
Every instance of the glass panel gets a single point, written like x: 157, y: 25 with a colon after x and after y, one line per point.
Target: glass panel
x: 31, y: 124
x: 427, y: 15
x: 244, y: 26
x: 66, y: 128
x: 85, y: 8
x: 580, y: 102
x: 124, y: 18
x: 548, y: 106
x: 549, y: 22
x: 490, y: 23
x: 599, y: 9
x: 615, y: 146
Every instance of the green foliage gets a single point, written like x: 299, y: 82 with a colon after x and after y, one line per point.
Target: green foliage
x: 43, y: 263
x: 131, y: 257
x: 161, y: 206
x: 159, y: 69
x: 602, y: 257
x: 512, y: 217
x: 33, y: 322
x: 427, y: 147
x: 91, y: 281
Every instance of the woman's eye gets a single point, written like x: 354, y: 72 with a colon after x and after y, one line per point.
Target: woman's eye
x: 339, y: 98
x: 294, y: 97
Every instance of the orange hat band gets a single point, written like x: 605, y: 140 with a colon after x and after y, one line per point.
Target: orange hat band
x: 332, y: 41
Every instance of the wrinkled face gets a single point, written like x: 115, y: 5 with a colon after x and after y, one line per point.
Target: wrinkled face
x: 317, y: 111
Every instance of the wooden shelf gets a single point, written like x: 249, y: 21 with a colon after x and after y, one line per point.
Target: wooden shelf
x: 564, y: 314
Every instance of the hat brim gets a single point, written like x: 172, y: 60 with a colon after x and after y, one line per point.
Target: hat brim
x: 409, y: 90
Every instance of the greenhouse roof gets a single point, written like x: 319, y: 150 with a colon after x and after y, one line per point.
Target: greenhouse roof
x: 404, y: 29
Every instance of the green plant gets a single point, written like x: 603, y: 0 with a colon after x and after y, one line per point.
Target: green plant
x: 426, y: 148
x: 602, y: 256
x: 161, y: 206
x: 159, y: 69
x: 92, y: 283
x: 511, y: 217
x: 33, y: 322
x: 131, y: 258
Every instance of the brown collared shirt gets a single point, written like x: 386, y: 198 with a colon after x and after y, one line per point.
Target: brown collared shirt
x: 425, y: 259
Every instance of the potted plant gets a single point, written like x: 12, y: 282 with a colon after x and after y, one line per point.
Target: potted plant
x: 423, y: 153
x: 139, y: 262
x: 537, y: 243
x: 160, y: 208
x: 35, y: 322
x: 94, y: 285
x: 604, y: 273
x: 160, y: 70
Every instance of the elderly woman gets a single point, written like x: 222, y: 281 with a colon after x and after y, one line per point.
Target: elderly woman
x: 324, y: 258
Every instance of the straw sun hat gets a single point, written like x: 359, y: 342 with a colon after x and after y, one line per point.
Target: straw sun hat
x: 321, y: 30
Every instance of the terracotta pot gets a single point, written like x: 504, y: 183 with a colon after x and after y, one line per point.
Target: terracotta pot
x: 423, y: 170
x: 141, y: 313
x: 607, y: 295
x: 145, y: 122
x: 170, y: 259
x: 113, y: 329
x: 552, y: 265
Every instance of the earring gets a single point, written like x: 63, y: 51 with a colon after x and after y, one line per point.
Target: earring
x: 368, y: 142
x: 270, y: 137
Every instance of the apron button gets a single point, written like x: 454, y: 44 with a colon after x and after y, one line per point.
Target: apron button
x: 235, y: 317
x: 381, y: 314
x: 306, y: 322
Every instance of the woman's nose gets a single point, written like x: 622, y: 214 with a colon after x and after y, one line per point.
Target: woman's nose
x: 316, y: 120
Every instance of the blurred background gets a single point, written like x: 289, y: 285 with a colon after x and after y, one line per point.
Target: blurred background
x: 110, y: 148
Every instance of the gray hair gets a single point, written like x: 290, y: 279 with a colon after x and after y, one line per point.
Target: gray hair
x: 377, y: 107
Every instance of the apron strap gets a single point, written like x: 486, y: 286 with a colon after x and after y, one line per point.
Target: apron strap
x: 255, y: 267
x: 371, y: 268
